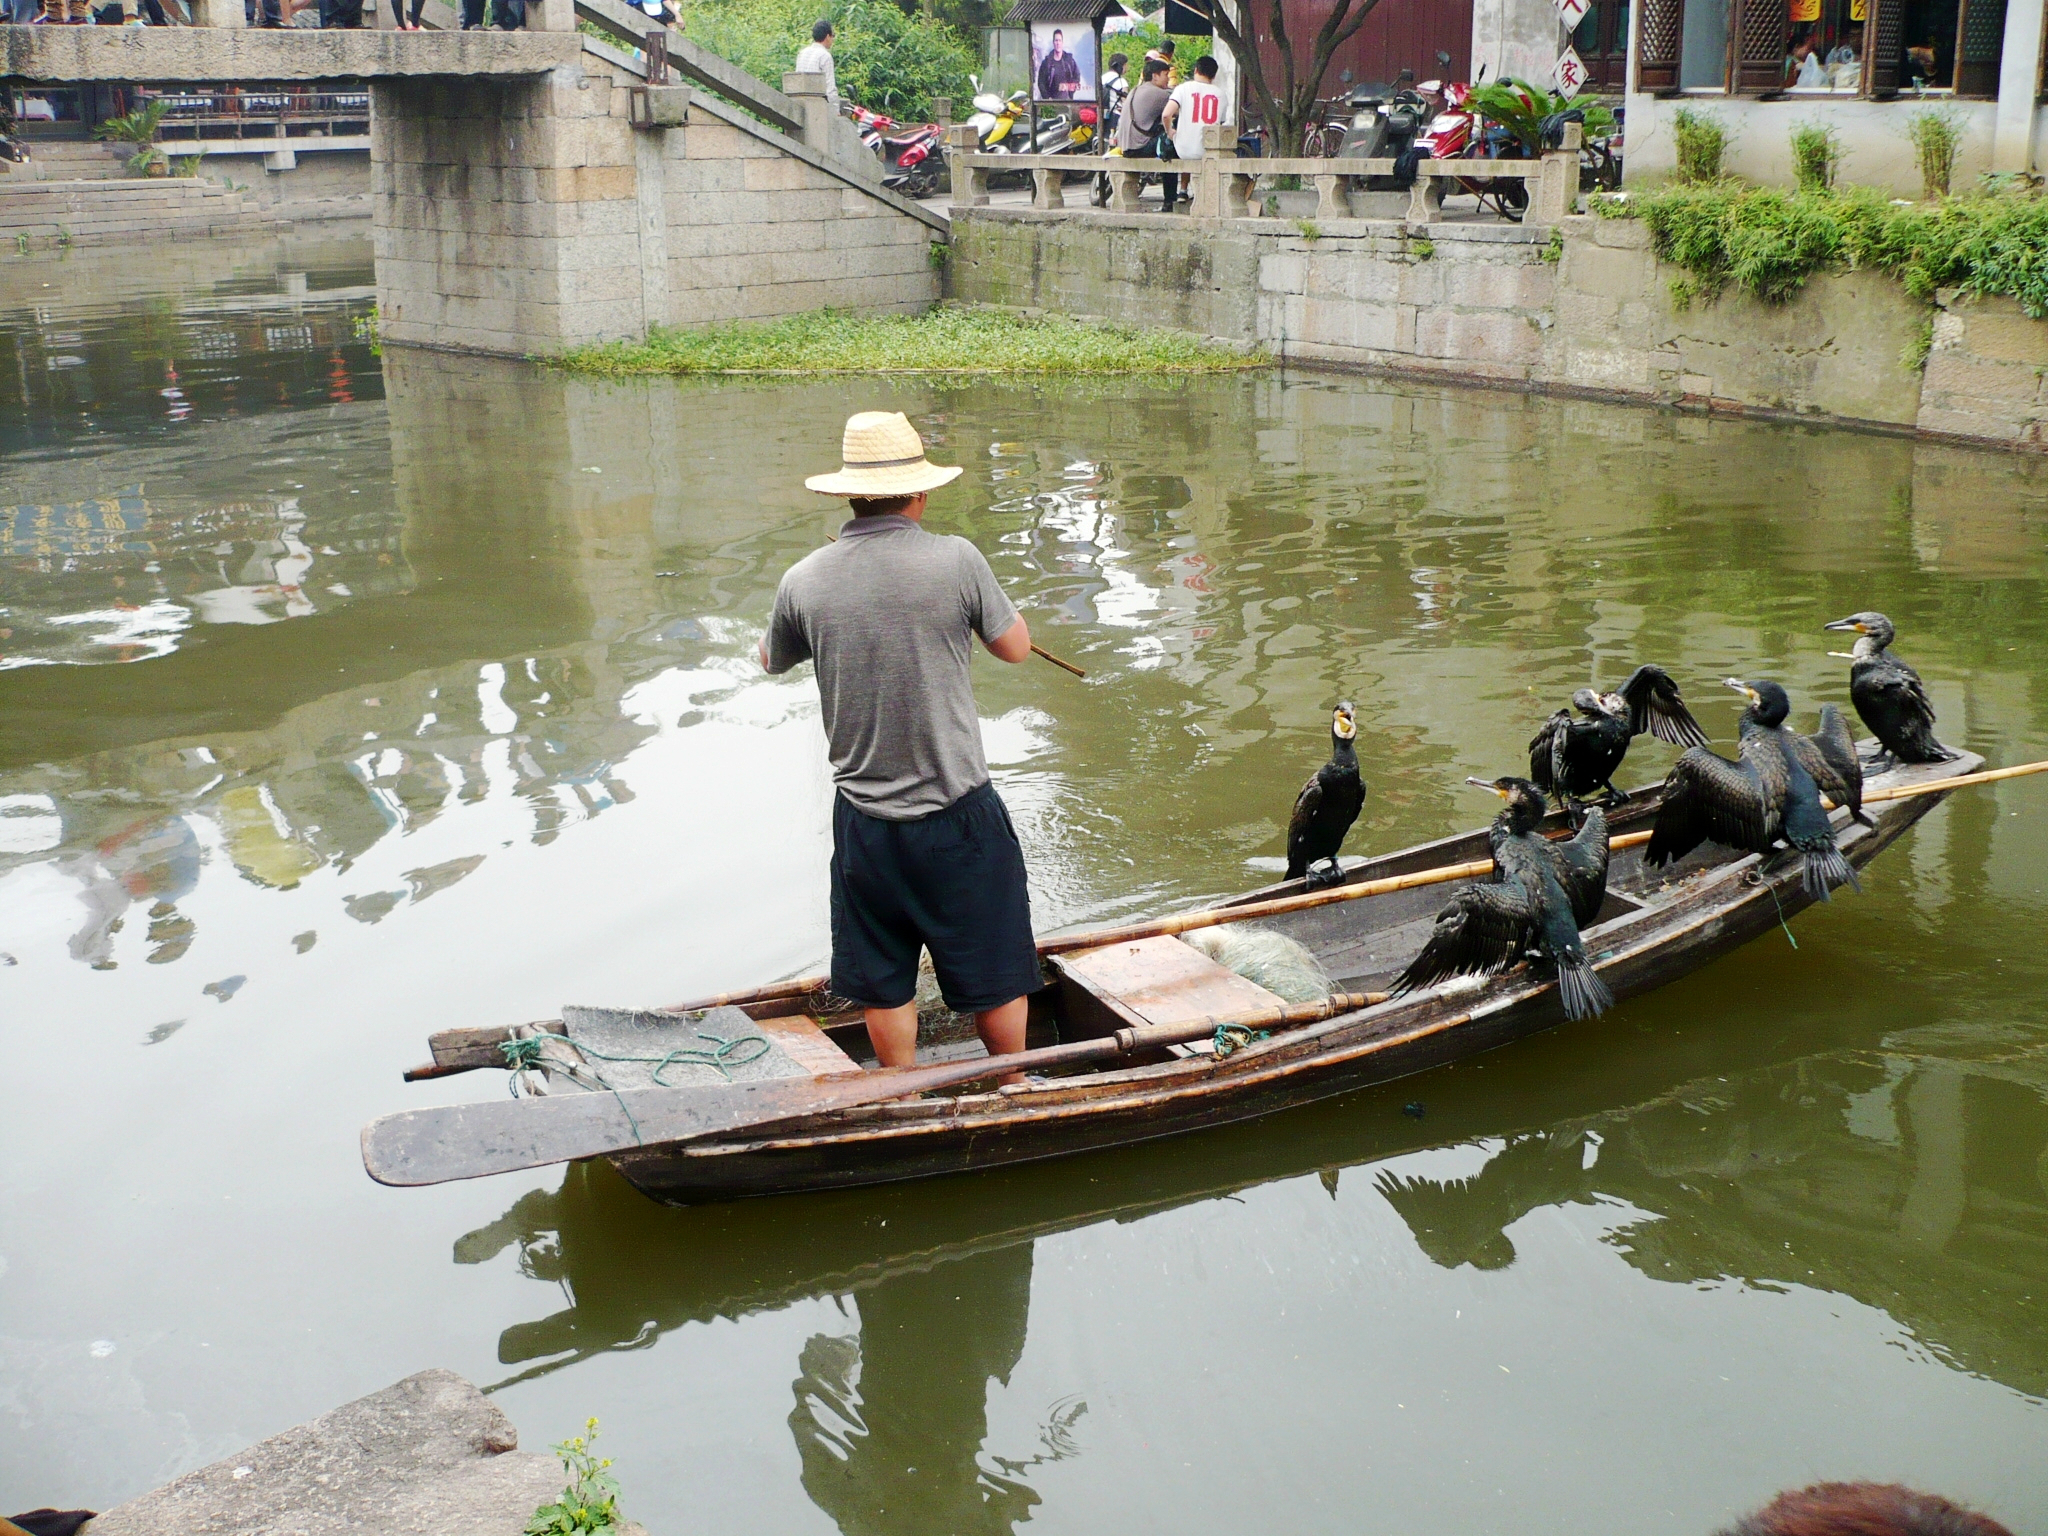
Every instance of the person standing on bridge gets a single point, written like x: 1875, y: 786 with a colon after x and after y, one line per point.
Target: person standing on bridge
x: 815, y: 58
x: 923, y: 853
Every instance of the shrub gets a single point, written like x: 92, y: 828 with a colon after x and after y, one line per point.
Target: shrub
x: 589, y: 1505
x: 1936, y: 134
x: 1701, y: 143
x: 1816, y: 154
x: 883, y: 59
x: 1767, y: 242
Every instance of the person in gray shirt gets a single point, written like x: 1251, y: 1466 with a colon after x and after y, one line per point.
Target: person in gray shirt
x: 923, y: 852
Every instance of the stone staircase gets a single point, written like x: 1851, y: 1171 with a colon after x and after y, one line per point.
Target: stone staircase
x: 74, y: 160
x: 44, y: 215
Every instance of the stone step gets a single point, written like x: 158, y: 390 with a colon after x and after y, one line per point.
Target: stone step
x: 88, y: 212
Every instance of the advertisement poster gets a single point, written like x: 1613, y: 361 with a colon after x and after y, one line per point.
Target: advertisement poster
x: 1063, y: 63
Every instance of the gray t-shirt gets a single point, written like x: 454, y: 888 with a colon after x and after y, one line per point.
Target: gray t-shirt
x: 889, y: 614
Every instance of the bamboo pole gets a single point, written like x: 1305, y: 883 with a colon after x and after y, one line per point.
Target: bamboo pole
x: 1210, y: 917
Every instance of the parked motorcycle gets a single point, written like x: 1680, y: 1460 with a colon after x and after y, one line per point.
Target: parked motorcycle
x: 1384, y: 125
x: 910, y: 158
x: 1457, y: 132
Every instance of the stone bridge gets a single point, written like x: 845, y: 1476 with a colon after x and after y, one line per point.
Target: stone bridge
x: 532, y: 191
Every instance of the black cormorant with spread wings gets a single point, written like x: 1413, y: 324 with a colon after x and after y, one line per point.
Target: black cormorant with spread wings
x: 1889, y: 696
x: 1327, y: 805
x: 1540, y: 895
x: 1572, y: 758
x: 1771, y: 795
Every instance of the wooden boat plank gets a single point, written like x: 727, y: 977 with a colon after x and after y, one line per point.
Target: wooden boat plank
x: 807, y: 1045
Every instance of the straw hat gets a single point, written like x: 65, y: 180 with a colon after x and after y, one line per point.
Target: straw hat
x: 883, y: 456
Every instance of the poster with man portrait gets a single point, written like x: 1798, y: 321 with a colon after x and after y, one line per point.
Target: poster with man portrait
x: 1063, y: 62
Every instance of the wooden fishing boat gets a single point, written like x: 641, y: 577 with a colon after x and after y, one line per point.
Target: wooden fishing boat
x: 1656, y: 926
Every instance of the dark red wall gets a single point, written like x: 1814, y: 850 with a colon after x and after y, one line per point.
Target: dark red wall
x: 1399, y: 34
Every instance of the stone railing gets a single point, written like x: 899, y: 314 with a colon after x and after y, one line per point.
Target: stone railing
x: 1225, y: 187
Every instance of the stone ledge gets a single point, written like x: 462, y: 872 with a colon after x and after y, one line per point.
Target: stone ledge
x: 428, y: 1455
x: 200, y: 54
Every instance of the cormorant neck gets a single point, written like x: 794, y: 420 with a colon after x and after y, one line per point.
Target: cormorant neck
x: 1343, y: 749
x: 1867, y: 646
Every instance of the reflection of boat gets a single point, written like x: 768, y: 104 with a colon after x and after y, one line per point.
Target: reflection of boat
x: 1654, y: 928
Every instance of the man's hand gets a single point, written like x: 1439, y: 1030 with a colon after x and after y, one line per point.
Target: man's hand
x: 1013, y: 644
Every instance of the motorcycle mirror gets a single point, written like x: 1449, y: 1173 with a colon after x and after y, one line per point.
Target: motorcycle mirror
x: 1443, y: 59
x: 1406, y: 74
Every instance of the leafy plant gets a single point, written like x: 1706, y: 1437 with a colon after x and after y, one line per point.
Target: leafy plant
x: 943, y: 340
x: 1553, y: 250
x: 1816, y: 154
x: 1422, y: 250
x: 939, y: 254
x: 1524, y: 110
x: 1308, y: 229
x: 1936, y: 134
x: 138, y: 128
x: 1701, y: 141
x: 1913, y: 356
x: 1767, y: 242
x: 589, y: 1506
x: 883, y: 58
x: 186, y: 166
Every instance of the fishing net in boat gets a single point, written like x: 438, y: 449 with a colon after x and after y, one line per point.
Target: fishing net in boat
x: 1265, y: 958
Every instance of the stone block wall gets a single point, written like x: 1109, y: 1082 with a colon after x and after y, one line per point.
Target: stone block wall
x: 1593, y: 314
x: 522, y: 216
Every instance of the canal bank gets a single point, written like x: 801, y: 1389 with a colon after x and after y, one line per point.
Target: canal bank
x: 1583, y: 308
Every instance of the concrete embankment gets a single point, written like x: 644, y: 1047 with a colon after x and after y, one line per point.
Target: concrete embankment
x: 1499, y: 304
x: 429, y: 1455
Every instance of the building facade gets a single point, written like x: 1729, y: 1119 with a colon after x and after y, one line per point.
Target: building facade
x: 1863, y: 67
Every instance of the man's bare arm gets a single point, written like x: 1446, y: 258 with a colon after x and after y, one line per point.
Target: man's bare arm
x: 1013, y: 644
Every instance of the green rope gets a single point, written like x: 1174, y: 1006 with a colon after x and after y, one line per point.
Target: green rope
x: 524, y: 1053
x: 1232, y: 1038
x: 1781, y: 914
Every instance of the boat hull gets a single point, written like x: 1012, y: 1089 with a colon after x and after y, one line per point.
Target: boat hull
x: 1713, y: 909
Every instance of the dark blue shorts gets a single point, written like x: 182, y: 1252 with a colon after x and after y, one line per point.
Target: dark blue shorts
x: 951, y: 882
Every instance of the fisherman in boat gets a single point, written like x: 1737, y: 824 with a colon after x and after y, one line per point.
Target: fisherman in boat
x: 923, y: 853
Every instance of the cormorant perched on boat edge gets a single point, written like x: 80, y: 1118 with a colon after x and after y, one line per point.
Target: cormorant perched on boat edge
x: 1540, y: 895
x: 1889, y: 695
x: 1327, y: 805
x: 1773, y: 793
x: 1571, y: 758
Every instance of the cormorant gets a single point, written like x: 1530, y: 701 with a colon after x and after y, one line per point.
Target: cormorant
x: 1773, y: 794
x: 1889, y: 696
x: 1541, y: 894
x: 1572, y: 758
x: 1327, y: 805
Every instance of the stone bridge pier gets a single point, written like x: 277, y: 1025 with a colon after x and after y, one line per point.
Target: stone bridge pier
x: 533, y: 192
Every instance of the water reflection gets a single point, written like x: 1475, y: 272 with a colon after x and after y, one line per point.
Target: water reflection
x: 523, y: 756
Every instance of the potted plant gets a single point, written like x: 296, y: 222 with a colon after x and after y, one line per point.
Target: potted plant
x: 139, y: 128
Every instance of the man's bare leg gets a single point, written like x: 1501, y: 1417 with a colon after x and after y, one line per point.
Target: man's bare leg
x: 1002, y: 1029
x: 893, y: 1034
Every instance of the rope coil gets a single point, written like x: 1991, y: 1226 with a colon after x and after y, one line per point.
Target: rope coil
x: 1232, y: 1038
x: 525, y: 1053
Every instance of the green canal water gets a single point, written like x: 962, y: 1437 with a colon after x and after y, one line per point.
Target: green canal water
x: 345, y: 699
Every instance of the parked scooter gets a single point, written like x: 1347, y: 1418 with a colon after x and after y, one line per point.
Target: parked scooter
x: 1384, y: 125
x: 909, y: 158
x: 1458, y: 133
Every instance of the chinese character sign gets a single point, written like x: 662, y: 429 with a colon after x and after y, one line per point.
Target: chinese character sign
x: 1572, y: 12
x: 1571, y: 73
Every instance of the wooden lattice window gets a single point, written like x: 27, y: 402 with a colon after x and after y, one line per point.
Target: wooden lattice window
x: 1761, y: 29
x: 1657, y: 45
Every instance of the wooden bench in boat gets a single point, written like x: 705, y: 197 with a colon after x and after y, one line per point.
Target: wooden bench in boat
x: 1150, y: 981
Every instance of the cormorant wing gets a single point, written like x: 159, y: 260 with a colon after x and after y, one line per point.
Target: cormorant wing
x: 1706, y: 796
x: 1546, y: 747
x: 1829, y: 754
x: 1581, y: 865
x: 1483, y: 928
x: 1654, y: 705
x: 1904, y: 694
x: 1306, y: 804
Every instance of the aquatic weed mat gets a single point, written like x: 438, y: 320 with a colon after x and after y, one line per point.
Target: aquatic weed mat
x: 941, y: 341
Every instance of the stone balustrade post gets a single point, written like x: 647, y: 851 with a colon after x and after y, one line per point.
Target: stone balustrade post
x: 1124, y: 197
x: 942, y: 112
x: 1332, y: 201
x: 1047, y: 188
x: 548, y: 15
x: 1557, y: 191
x: 219, y: 13
x: 970, y: 186
x: 1218, y: 145
x: 814, y: 107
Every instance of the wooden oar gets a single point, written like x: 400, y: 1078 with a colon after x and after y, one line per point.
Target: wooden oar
x: 470, y: 1141
x: 804, y: 986
x: 1065, y: 666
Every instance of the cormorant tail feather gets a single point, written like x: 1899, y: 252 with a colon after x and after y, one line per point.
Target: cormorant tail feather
x: 1581, y: 990
x: 1825, y: 869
